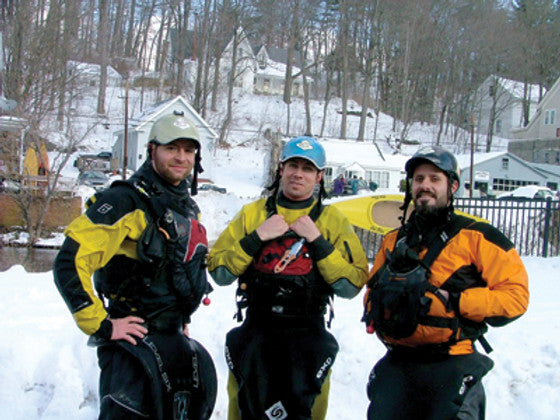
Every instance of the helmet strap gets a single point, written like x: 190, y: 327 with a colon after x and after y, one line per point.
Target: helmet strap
x: 197, y: 170
x: 407, y: 200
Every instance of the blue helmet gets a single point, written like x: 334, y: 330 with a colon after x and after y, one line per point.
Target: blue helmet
x: 305, y: 147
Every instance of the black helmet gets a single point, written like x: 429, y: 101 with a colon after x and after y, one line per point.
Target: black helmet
x: 438, y: 157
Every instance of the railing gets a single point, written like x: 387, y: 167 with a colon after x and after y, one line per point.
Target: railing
x: 533, y: 225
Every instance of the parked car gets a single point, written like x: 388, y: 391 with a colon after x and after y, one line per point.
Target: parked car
x: 205, y: 186
x: 105, y: 155
x: 94, y: 179
x: 8, y: 185
x: 529, y: 192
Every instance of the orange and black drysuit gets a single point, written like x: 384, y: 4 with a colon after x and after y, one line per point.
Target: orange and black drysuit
x: 430, y: 372
x: 116, y: 261
x: 280, y: 357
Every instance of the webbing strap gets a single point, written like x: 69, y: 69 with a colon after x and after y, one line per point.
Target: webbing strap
x: 146, y: 193
x: 441, y: 240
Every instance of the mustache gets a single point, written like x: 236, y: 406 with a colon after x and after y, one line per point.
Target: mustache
x: 419, y: 193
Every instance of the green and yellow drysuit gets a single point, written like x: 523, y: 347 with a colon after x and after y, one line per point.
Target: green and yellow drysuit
x: 280, y: 357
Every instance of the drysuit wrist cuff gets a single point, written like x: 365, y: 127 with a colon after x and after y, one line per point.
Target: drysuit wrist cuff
x: 454, y: 301
x: 251, y: 243
x: 321, y: 248
x: 105, y: 330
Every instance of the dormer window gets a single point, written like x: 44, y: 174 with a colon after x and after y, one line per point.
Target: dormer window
x: 505, y: 163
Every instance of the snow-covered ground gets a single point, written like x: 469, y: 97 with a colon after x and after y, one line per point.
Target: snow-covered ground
x: 48, y: 372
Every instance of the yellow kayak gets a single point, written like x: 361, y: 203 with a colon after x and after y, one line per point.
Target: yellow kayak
x: 379, y: 213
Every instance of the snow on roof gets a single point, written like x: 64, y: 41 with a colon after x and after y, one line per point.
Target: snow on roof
x: 346, y: 153
x: 516, y: 89
x: 464, y: 160
x: 276, y: 69
x: 92, y: 69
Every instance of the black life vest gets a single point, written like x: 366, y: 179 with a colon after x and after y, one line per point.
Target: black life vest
x: 397, y: 301
x: 165, y: 285
x: 283, y: 281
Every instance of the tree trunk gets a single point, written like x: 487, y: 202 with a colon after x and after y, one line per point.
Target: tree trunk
x: 326, y: 103
x: 103, y: 51
x: 231, y: 82
x: 128, y: 51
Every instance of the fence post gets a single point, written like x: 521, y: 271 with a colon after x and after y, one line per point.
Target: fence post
x: 547, y: 217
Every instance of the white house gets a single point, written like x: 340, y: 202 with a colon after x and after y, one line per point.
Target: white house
x: 88, y: 74
x: 270, y: 75
x: 245, y: 62
x: 139, y: 130
x: 504, y: 98
x: 386, y: 171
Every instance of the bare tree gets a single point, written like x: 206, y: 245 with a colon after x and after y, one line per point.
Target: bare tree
x: 102, y: 48
x: 371, y: 35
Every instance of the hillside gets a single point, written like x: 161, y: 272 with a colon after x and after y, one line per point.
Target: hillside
x: 252, y: 116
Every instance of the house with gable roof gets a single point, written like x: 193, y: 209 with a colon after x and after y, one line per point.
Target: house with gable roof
x: 270, y: 75
x: 187, y: 49
x: 504, y: 98
x: 88, y: 74
x: 386, y: 171
x: 539, y: 141
x: 139, y: 131
x: 498, y: 172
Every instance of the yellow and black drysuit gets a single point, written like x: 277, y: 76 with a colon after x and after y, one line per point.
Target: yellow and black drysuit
x: 141, y: 242
x: 431, y: 369
x: 280, y: 357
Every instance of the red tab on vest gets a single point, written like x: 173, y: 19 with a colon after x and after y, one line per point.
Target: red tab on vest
x: 197, y: 240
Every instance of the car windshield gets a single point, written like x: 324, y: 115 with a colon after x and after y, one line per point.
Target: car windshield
x: 543, y: 194
x: 93, y: 174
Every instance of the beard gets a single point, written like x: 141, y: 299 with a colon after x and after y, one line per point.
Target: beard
x: 428, y: 203
x: 430, y: 215
x: 426, y: 209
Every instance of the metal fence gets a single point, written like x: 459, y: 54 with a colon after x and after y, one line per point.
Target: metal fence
x: 533, y: 225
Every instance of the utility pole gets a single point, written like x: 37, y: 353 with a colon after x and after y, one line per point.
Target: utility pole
x: 125, y: 152
x: 472, y: 157
x: 124, y: 66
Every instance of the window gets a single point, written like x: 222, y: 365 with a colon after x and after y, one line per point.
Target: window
x: 549, y: 116
x: 295, y: 89
x: 266, y: 85
x: 381, y: 178
x: 505, y: 163
x: 328, y: 173
x: 498, y: 127
x: 500, y: 184
x: 262, y: 61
